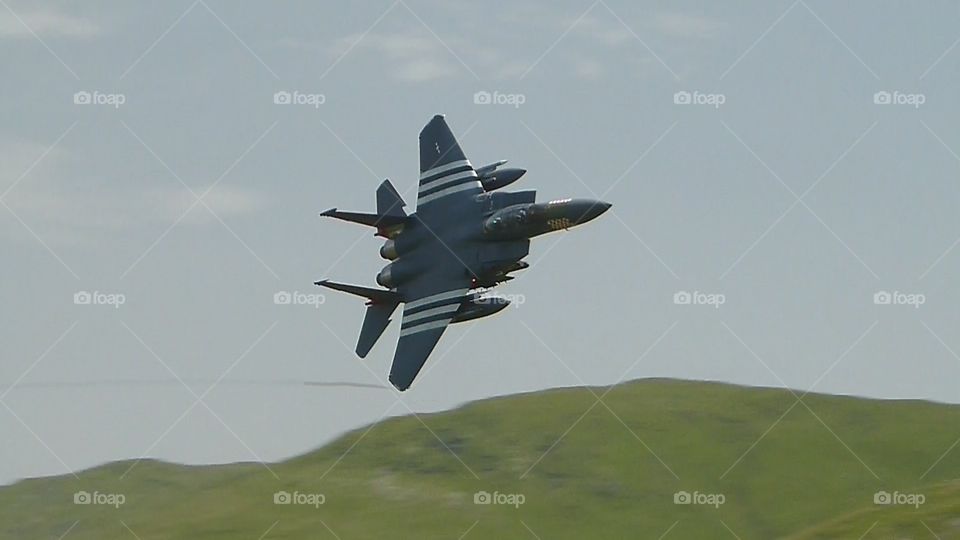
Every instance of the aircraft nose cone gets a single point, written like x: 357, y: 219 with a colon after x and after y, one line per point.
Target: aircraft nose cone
x: 587, y: 210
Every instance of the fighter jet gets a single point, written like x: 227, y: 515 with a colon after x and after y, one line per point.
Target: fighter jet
x: 464, y: 238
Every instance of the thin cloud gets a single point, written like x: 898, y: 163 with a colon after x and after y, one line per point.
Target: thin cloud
x: 686, y: 25
x: 412, y: 57
x: 57, y: 202
x: 45, y: 23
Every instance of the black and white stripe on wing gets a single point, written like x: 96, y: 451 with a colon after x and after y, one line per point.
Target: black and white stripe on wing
x: 447, y: 179
x: 431, y: 312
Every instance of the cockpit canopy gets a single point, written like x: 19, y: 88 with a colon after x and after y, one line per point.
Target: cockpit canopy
x: 508, y: 220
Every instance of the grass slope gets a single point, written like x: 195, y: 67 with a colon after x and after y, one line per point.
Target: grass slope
x: 937, y: 518
x: 812, y: 474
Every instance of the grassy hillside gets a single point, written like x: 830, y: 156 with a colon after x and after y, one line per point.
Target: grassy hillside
x: 803, y: 479
x: 939, y: 517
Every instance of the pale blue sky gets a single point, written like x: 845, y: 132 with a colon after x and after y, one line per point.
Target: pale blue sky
x: 705, y: 199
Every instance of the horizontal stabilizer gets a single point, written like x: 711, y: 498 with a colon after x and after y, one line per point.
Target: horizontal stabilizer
x: 372, y: 220
x: 376, y: 296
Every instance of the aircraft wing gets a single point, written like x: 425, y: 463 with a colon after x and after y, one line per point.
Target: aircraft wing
x: 447, y: 184
x: 445, y: 172
x: 434, y: 299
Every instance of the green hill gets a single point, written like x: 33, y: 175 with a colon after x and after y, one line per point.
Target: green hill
x: 939, y: 517
x: 797, y: 474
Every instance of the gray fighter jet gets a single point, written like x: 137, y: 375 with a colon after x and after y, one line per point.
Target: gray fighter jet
x: 464, y: 236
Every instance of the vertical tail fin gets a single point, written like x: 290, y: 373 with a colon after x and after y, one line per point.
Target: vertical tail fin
x: 382, y: 303
x: 389, y: 218
x: 375, y: 321
x: 389, y: 202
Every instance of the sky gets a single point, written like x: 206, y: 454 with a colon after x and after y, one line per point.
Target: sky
x: 783, y: 177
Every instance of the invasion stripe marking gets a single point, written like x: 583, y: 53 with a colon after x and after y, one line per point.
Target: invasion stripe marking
x: 433, y: 177
x: 443, y: 168
x: 446, y: 295
x: 409, y: 318
x: 424, y: 327
x: 449, y: 191
x: 411, y: 310
x: 445, y: 180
